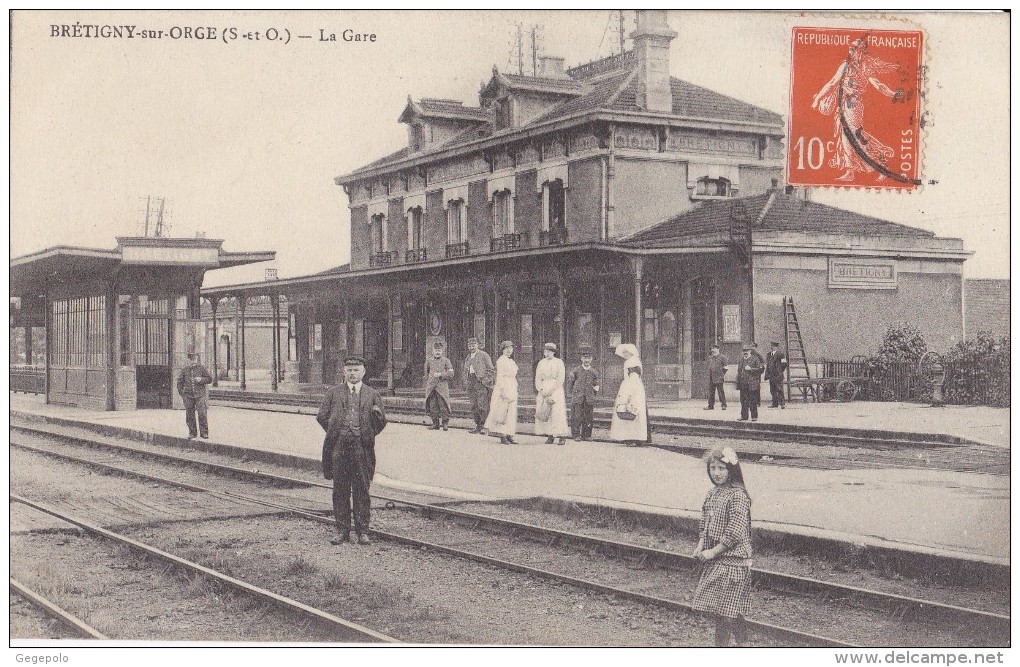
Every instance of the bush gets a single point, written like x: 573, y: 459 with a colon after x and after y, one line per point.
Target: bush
x: 893, y: 369
x: 979, y: 371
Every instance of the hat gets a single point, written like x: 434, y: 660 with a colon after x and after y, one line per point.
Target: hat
x: 586, y: 351
x: 192, y: 355
x: 775, y: 344
x: 354, y: 360
x: 748, y: 347
x: 505, y: 344
x: 472, y: 340
x: 626, y: 347
x: 550, y: 346
x: 437, y: 345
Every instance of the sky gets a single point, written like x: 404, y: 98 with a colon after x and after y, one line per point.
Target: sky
x: 244, y: 137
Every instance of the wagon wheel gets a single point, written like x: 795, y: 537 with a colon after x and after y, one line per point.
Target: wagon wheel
x: 846, y: 391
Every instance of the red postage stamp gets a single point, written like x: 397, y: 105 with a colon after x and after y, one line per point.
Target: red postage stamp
x: 855, y: 108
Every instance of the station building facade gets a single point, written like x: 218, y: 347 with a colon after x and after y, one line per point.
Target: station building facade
x: 598, y: 205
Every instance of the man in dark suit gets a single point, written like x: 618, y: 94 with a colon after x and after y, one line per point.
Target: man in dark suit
x: 191, y: 385
x: 749, y: 383
x: 582, y: 386
x: 775, y: 367
x: 479, y: 376
x: 352, y: 415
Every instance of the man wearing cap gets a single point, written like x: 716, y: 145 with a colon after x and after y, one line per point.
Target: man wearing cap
x: 191, y: 385
x: 716, y: 378
x: 749, y: 383
x: 438, y: 373
x: 352, y: 415
x: 551, y: 402
x: 775, y: 366
x: 583, y: 385
x: 479, y: 376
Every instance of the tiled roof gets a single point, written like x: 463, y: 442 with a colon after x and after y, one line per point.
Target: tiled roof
x: 452, y: 108
x: 786, y: 213
x: 343, y: 268
x: 601, y: 95
x: 692, y: 101
x: 561, y: 84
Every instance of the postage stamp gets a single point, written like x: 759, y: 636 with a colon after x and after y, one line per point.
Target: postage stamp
x: 855, y: 108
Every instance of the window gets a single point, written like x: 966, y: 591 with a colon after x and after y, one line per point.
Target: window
x: 713, y: 187
x: 380, y: 234
x: 502, y: 213
x: 417, y: 137
x: 456, y: 222
x: 553, y: 205
x: 415, y: 236
x: 504, y: 113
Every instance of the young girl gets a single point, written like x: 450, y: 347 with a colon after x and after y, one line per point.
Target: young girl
x: 724, y: 547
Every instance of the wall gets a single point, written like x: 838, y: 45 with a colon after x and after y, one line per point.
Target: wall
x: 841, y: 323
x: 647, y: 192
x: 361, y: 238
x: 987, y: 307
x: 479, y: 224
x: 756, y: 180
x: 435, y: 225
x: 527, y: 206
x: 583, y: 200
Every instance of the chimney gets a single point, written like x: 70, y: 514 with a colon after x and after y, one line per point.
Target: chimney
x: 552, y: 67
x: 651, y: 48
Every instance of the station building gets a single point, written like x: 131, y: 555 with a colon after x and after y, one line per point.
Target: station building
x: 603, y: 204
x: 116, y: 325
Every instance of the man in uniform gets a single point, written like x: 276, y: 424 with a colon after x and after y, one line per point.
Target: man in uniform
x: 775, y: 366
x: 716, y: 378
x: 438, y: 373
x: 191, y: 385
x: 583, y: 385
x: 479, y: 376
x: 352, y: 415
x: 749, y: 383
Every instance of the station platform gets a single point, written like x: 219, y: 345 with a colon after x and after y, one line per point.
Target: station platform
x: 943, y: 513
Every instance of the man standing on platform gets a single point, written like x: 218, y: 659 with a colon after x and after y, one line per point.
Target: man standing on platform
x: 352, y: 415
x: 583, y: 385
x: 775, y: 366
x: 749, y: 383
x: 191, y: 385
x: 438, y: 373
x: 716, y: 378
x: 479, y: 376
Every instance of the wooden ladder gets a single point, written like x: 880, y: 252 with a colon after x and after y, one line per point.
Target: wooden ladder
x: 798, y: 374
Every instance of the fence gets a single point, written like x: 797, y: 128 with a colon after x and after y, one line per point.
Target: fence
x: 985, y: 382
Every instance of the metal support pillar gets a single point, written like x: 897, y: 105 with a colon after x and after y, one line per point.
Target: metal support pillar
x: 242, y: 302
x: 637, y: 264
x: 213, y: 302
x: 111, y: 348
x: 274, y: 372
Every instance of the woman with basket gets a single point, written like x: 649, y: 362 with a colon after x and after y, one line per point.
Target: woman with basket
x: 502, y: 419
x: 630, y: 412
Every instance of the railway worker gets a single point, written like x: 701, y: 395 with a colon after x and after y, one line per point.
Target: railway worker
x: 191, y: 385
x: 630, y: 410
x: 352, y: 415
x: 583, y: 385
x: 502, y: 416
x: 724, y: 545
x: 749, y: 373
x: 479, y: 376
x: 438, y: 373
x: 551, y: 401
x: 716, y: 378
x: 775, y: 367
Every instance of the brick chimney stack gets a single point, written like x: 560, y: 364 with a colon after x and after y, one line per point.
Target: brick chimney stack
x: 552, y: 67
x: 651, y: 47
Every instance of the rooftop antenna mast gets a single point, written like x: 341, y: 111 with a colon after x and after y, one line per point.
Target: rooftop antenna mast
x: 622, y: 34
x: 157, y: 216
x: 520, y: 50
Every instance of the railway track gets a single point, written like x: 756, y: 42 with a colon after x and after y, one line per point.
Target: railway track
x: 993, y: 626
x: 53, y: 610
x: 340, y: 629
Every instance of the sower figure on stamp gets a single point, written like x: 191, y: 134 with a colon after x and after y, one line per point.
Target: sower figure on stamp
x: 479, y: 376
x: 749, y: 383
x: 775, y: 366
x: 352, y: 415
x: 438, y: 373
x: 191, y: 385
x: 583, y: 385
x: 716, y: 378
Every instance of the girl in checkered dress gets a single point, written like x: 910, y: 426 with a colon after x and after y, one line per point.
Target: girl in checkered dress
x: 724, y: 547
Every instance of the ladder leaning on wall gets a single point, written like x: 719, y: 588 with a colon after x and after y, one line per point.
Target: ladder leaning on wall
x: 798, y: 374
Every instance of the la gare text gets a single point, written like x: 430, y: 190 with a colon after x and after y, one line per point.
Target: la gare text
x: 89, y: 30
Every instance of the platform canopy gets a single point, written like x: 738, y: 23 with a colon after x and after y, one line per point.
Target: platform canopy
x: 133, y: 257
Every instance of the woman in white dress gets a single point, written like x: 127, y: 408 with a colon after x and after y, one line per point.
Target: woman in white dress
x: 630, y: 400
x: 549, y: 376
x: 502, y: 419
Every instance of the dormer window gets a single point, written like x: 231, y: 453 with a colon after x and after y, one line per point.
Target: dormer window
x: 713, y: 181
x: 504, y: 113
x: 380, y: 233
x: 417, y: 137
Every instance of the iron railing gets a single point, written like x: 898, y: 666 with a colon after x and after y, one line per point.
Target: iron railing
x: 511, y: 241
x: 457, y: 249
x: 384, y: 258
x: 553, y: 236
x: 415, y: 255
